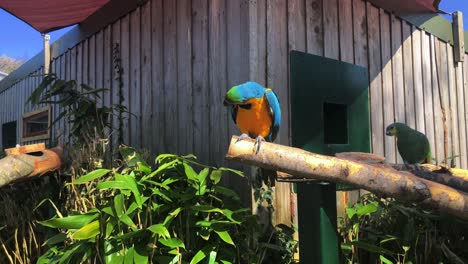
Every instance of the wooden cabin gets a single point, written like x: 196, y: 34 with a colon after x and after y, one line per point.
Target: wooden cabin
x: 180, y: 57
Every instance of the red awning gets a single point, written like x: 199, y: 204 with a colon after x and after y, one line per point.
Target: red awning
x: 408, y: 6
x: 48, y: 15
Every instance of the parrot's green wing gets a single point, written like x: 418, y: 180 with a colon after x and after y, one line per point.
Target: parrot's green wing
x: 413, y: 146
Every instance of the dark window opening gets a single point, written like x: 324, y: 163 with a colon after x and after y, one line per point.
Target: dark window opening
x: 335, y: 125
x: 9, y: 135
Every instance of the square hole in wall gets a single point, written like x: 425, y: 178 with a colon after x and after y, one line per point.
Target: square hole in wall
x: 335, y: 123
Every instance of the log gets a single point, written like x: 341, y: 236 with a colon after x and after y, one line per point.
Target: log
x: 24, y: 162
x: 375, y: 177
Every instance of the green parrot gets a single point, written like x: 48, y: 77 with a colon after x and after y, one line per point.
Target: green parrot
x: 413, y: 145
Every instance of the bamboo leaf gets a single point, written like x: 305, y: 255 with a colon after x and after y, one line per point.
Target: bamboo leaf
x: 224, y: 235
x: 172, y: 242
x: 58, y: 238
x: 159, y: 229
x: 215, y: 176
x: 90, y: 230
x: 190, y: 173
x: 96, y: 174
x: 69, y: 222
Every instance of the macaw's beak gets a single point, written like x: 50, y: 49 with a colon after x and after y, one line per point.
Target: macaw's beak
x: 390, y: 132
x: 226, y: 102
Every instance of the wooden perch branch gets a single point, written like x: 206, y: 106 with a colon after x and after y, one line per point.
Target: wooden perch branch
x: 372, y: 176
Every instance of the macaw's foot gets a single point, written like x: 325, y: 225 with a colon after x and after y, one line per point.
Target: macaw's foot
x: 258, y: 142
x: 242, y: 137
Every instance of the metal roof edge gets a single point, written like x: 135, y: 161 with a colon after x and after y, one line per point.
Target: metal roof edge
x: 108, y: 14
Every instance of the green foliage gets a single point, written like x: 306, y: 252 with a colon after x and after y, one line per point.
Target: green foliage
x: 78, y: 105
x: 176, y: 213
x: 378, y: 230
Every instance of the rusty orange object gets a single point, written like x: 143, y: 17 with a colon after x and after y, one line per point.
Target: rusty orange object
x: 27, y: 161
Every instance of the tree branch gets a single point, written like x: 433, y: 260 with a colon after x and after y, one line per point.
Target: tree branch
x: 370, y: 175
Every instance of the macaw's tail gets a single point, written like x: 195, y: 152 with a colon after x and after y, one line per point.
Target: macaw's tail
x: 265, y: 176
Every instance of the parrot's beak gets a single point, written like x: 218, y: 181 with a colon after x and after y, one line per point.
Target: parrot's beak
x: 390, y: 132
x: 226, y: 102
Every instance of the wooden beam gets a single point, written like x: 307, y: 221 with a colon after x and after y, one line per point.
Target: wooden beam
x: 458, y: 37
x: 372, y: 176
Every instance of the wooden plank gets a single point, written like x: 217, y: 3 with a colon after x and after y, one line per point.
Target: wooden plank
x: 201, y: 122
x: 64, y: 69
x: 107, y: 79
x: 461, y: 114
x: 297, y: 37
x: 437, y: 99
x: 458, y: 36
x: 107, y: 65
x: 68, y: 76
x: 79, y: 64
x: 234, y: 54
x: 92, y: 61
x: 125, y: 63
x: 237, y: 35
x: 410, y: 70
x: 345, y: 13
x: 85, y: 63
x: 397, y: 73
x: 314, y: 26
x: 157, y: 69
x: 410, y: 113
x: 55, y: 69
x: 170, y: 77
x: 135, y: 79
x: 387, y: 83
x: 146, y: 87
x: 184, y: 78
x: 360, y: 33
x: 99, y: 68
x: 116, y: 89
x: 453, y: 105
x: 375, y: 78
x: 277, y: 79
x: 330, y: 29
x: 257, y: 36
x: 419, y: 98
x: 427, y: 89
x: 444, y: 93
x: 462, y: 87
x: 277, y: 58
x: 217, y: 79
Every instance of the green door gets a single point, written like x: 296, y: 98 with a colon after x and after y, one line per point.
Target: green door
x: 329, y: 114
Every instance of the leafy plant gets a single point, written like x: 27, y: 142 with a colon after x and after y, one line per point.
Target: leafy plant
x: 78, y: 104
x: 176, y: 213
x: 376, y: 230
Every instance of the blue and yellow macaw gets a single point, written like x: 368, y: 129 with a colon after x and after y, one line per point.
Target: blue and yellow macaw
x: 257, y: 113
x: 255, y: 110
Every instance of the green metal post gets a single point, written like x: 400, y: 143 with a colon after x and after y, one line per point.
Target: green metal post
x: 330, y: 114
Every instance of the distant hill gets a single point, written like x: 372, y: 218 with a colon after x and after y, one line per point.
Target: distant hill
x: 8, y: 64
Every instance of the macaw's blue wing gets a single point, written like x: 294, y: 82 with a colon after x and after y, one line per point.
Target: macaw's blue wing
x: 275, y: 111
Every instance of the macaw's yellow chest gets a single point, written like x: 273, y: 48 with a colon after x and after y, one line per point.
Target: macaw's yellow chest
x: 256, y: 120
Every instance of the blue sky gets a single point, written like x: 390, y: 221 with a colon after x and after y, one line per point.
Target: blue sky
x: 19, y: 40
